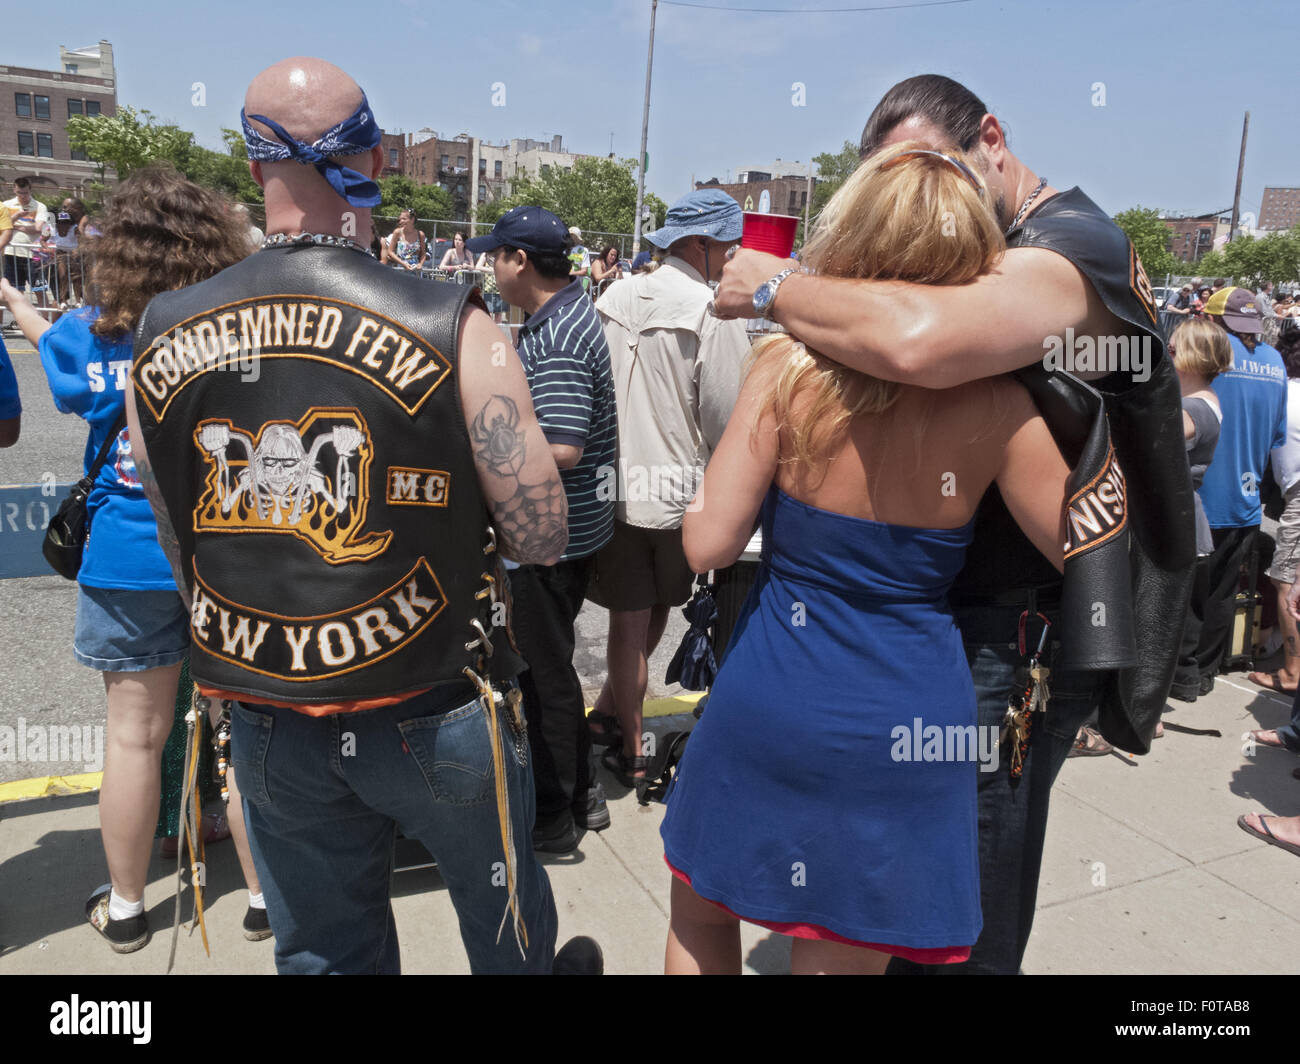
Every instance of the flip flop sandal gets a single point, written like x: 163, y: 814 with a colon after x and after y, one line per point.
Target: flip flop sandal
x: 1089, y: 743
x: 1266, y: 835
x: 1274, y: 684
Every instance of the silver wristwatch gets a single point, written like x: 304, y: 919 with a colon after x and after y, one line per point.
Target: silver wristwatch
x: 765, y: 294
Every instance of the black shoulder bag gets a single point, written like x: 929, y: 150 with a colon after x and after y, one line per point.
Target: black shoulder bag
x: 65, y: 535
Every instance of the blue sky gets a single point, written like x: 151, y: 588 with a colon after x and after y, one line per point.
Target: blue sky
x: 1177, y: 78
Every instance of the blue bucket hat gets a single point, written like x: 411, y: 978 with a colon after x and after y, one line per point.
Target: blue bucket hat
x: 704, y: 212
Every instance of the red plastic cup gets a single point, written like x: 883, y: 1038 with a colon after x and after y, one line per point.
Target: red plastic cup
x: 773, y: 233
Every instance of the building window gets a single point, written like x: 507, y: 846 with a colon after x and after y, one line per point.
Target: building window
x: 45, y: 145
x: 460, y: 162
x: 26, y: 143
x: 78, y: 155
x: 498, y: 170
x: 42, y: 106
x: 482, y: 192
x: 546, y: 169
x: 482, y: 165
x: 392, y: 156
x: 444, y: 162
x: 92, y: 108
x: 23, y: 104
x: 69, y: 68
x: 76, y: 107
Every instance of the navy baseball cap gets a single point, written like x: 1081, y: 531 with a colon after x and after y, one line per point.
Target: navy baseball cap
x: 532, y: 229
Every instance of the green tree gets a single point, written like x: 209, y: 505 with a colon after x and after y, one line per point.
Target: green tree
x: 129, y: 140
x: 596, y: 195
x: 1150, y: 237
x: 1247, y: 261
x: 832, y: 172
x: 400, y: 192
x: 225, y: 171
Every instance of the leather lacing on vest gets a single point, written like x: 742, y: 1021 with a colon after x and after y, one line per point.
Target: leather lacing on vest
x: 482, y: 642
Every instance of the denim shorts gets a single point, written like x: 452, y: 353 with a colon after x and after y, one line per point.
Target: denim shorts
x: 130, y: 631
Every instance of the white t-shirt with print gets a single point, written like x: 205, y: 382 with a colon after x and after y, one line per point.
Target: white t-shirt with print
x: 35, y: 211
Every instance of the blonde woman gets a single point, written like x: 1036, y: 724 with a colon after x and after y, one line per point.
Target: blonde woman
x: 1200, y: 351
x: 813, y: 798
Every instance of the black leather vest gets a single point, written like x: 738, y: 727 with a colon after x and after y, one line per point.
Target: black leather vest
x: 1132, y: 541
x: 302, y: 414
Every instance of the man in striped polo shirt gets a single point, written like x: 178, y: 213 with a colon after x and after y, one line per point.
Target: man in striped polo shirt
x: 566, y: 360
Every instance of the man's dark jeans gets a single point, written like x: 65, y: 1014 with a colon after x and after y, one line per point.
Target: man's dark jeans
x: 547, y: 599
x: 1013, y: 814
x: 1186, y: 684
x: 1232, y: 547
x: 1289, y: 732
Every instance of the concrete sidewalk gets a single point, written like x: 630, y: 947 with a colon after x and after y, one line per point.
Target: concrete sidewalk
x: 1146, y: 871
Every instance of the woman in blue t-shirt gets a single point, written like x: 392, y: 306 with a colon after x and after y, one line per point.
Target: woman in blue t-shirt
x: 162, y: 232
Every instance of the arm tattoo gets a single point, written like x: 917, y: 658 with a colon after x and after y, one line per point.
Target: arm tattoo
x: 166, y: 533
x: 531, y: 518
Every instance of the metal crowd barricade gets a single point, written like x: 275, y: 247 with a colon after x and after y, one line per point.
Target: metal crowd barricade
x: 55, y: 278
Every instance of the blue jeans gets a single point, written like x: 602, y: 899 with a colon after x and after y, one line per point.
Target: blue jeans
x: 1013, y: 813
x: 322, y: 797
x: 1289, y: 732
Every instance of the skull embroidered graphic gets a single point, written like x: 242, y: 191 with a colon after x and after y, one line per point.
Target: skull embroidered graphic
x: 306, y: 479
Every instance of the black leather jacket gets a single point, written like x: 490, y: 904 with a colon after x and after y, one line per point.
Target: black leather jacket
x: 1128, y: 568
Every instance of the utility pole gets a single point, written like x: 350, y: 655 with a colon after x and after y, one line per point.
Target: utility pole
x: 645, y: 128
x: 807, y: 203
x: 1236, y: 196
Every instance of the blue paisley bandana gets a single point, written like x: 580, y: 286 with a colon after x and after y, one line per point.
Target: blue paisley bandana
x: 354, y: 135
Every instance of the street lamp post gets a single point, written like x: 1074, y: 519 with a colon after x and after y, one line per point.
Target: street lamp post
x: 645, y: 127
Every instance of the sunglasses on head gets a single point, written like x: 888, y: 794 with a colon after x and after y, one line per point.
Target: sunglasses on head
x: 956, y: 164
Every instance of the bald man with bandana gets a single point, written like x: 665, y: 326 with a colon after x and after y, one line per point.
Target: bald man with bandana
x: 338, y: 519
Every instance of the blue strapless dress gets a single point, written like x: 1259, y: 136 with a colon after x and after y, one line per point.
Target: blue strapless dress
x: 806, y: 794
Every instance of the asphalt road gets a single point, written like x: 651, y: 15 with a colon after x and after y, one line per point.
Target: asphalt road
x: 41, y: 682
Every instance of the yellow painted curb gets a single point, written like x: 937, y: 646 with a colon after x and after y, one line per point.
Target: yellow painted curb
x: 46, y: 786
x: 667, y: 707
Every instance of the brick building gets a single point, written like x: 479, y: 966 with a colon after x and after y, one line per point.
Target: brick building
x: 35, y: 106
x: 394, y: 145
x: 786, y: 195
x: 1191, y: 237
x: 475, y: 171
x: 1279, y: 208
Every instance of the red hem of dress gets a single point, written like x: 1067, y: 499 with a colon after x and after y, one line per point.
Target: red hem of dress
x: 933, y: 955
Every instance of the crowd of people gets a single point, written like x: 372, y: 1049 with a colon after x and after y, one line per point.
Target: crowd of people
x: 44, y: 250
x: 407, y: 247
x: 373, y: 553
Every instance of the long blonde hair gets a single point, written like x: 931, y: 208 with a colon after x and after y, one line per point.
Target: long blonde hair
x: 920, y: 219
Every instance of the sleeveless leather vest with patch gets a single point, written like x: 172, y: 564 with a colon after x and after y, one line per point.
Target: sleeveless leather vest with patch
x: 302, y: 414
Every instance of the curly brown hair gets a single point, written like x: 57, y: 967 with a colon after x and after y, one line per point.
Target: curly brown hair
x: 161, y: 232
